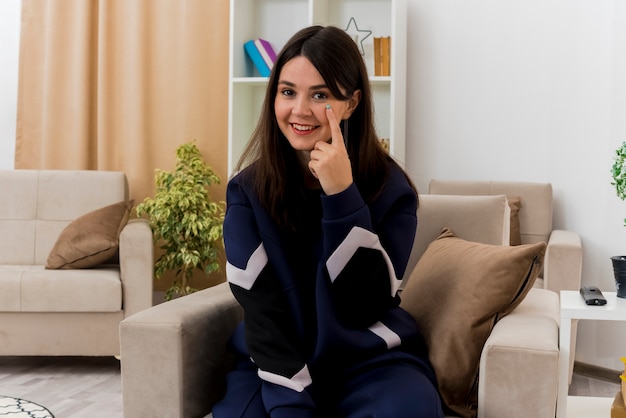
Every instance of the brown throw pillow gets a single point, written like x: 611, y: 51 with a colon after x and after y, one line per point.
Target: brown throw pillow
x: 457, y: 292
x: 515, y: 204
x: 90, y: 239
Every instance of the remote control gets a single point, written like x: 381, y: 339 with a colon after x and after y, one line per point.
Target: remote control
x: 592, y: 295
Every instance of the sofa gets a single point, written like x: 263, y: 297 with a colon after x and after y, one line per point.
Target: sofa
x: 72, y: 265
x: 512, y: 374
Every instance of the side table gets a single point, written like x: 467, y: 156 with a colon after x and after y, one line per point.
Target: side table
x: 573, y: 307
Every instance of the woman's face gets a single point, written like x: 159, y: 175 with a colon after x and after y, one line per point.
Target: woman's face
x: 300, y: 105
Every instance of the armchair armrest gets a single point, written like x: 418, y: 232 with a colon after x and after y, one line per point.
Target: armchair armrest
x: 174, y: 355
x: 562, y: 270
x: 519, y: 362
x: 562, y: 267
x: 136, y: 254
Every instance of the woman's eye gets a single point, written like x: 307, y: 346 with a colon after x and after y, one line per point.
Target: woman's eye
x: 287, y: 92
x: 320, y: 96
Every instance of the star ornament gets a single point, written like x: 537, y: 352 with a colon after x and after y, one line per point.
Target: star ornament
x: 359, y: 35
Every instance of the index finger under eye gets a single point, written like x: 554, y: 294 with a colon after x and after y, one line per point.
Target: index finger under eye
x: 335, y: 130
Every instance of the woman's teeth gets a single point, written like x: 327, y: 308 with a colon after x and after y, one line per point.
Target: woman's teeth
x: 302, y: 127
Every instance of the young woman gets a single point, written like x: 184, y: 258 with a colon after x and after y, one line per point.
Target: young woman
x: 318, y: 231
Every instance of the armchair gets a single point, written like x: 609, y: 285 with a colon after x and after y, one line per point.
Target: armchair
x: 174, y: 357
x: 562, y: 268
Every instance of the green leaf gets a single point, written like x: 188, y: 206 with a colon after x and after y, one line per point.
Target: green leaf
x: 618, y: 171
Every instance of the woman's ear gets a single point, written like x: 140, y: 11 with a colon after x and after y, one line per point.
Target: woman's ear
x: 353, y: 102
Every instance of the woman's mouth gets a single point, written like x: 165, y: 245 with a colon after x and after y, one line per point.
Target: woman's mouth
x: 303, y: 129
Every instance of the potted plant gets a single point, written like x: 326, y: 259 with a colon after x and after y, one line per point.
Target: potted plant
x: 618, y: 172
x: 186, y: 223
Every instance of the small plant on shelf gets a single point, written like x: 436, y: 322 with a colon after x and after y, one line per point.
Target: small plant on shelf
x: 186, y: 223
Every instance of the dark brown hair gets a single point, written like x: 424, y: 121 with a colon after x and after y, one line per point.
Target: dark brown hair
x: 275, y: 171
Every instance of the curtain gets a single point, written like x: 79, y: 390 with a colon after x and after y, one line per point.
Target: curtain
x: 119, y: 84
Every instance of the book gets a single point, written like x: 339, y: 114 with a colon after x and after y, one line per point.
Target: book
x: 382, y: 56
x: 386, y: 55
x: 266, y: 51
x: 378, y: 63
x: 256, y: 58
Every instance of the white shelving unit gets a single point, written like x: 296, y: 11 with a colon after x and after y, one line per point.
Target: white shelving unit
x: 276, y: 21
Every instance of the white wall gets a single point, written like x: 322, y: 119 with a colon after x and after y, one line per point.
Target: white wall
x: 9, y: 47
x: 530, y: 90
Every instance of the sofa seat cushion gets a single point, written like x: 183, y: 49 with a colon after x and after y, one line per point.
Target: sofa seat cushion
x: 36, y: 289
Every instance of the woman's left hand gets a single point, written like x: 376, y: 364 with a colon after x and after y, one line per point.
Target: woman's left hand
x: 329, y: 162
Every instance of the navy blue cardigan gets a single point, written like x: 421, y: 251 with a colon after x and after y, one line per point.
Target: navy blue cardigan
x: 324, y: 298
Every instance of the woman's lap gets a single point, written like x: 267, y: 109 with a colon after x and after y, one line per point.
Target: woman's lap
x: 393, y: 389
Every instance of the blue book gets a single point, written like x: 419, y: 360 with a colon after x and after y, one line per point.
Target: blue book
x: 257, y: 59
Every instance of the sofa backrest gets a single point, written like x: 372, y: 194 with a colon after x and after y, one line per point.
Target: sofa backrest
x: 36, y: 205
x: 484, y: 219
x: 535, y: 215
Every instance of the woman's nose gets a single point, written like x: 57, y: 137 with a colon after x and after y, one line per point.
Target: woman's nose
x: 301, y: 107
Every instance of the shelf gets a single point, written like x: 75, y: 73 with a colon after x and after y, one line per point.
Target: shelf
x: 252, y: 81
x: 380, y: 80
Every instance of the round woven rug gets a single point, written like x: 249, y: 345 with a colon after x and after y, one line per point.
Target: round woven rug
x: 20, y: 408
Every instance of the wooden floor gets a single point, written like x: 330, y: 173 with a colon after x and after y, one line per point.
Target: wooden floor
x: 90, y: 387
x: 69, y: 387
x: 592, y: 382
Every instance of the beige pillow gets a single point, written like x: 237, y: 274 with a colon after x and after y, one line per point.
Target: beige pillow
x: 457, y: 292
x: 515, y: 204
x: 90, y: 239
